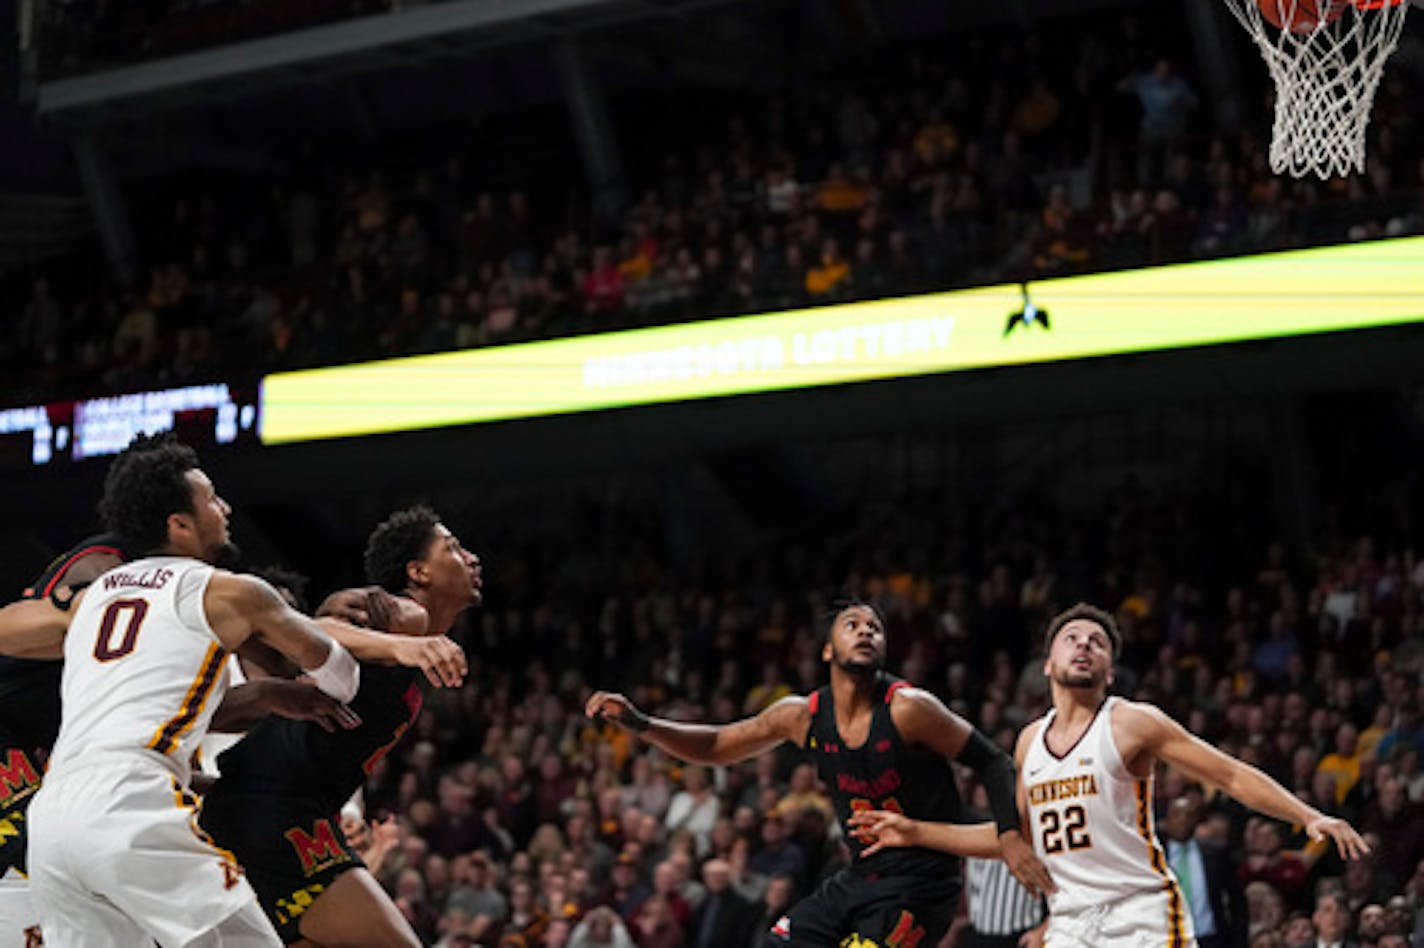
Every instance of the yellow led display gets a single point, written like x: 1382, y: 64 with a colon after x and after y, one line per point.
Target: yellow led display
x: 1329, y: 289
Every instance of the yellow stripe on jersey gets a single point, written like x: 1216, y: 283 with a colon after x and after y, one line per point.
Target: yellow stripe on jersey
x: 1178, y: 937
x: 186, y: 801
x: 165, y: 739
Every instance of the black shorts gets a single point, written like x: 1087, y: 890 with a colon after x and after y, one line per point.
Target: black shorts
x: 19, y: 779
x: 290, y: 850
x: 850, y: 910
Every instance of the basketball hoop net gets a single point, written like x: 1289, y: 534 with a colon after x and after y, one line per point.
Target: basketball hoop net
x: 1326, y: 58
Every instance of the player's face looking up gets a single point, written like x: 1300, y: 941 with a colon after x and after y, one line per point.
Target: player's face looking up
x: 857, y: 642
x: 204, y: 530
x: 1080, y: 656
x: 450, y: 570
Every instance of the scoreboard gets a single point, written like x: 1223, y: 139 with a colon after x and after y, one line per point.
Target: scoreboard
x: 60, y: 432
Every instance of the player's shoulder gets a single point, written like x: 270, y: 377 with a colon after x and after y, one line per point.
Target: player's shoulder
x: 81, y: 563
x: 899, y: 691
x: 243, y: 589
x: 788, y: 717
x: 794, y: 705
x: 1027, y: 734
x: 1136, y: 717
x: 1125, y: 709
x: 910, y: 705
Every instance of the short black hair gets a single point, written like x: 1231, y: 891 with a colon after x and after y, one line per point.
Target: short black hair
x: 145, y: 484
x: 1092, y: 614
x: 402, y: 537
x: 290, y: 580
x: 840, y: 606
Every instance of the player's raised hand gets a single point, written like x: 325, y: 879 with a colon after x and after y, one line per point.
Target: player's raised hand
x: 615, y: 709
x: 1349, y: 842
x: 882, y: 829
x: 442, y: 660
x: 1025, y: 864
x: 303, y: 702
x: 348, y: 605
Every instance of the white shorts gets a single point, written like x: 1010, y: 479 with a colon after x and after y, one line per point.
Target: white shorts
x: 117, y: 860
x: 1141, y: 920
x: 19, y: 924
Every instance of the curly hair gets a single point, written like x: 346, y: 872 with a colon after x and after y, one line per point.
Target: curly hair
x: 145, y: 484
x: 286, y: 580
x: 1090, y: 613
x: 404, y: 536
x: 841, y: 606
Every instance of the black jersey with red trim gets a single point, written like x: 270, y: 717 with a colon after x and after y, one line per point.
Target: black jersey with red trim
x: 29, y: 688
x: 884, y: 773
x: 300, y: 759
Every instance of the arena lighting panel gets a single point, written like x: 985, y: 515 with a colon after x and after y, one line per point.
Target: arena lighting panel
x: 1330, y: 289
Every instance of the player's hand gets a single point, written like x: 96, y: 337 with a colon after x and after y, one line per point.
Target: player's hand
x: 441, y: 658
x: 1349, y: 842
x: 613, y: 708
x: 385, y: 834
x: 303, y: 702
x: 1033, y: 938
x: 1025, y: 864
x: 882, y: 829
x: 395, y: 613
x: 349, y: 605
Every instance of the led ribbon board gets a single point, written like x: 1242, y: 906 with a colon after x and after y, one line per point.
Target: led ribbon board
x: 1356, y: 286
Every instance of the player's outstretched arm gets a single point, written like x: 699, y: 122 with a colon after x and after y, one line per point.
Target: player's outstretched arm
x: 885, y: 829
x: 786, y: 720
x: 34, y: 628
x: 394, y: 634
x: 240, y: 607
x: 923, y: 719
x: 1148, y: 728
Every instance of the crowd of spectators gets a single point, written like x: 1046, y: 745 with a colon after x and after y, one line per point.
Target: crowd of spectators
x: 980, y: 162
x: 508, y: 819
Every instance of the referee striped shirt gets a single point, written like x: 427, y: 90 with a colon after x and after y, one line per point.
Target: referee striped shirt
x: 998, y: 904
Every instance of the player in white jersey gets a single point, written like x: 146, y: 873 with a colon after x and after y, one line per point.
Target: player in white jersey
x: 116, y: 858
x: 1085, y: 786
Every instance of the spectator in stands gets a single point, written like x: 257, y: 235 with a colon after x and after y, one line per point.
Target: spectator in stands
x: 724, y: 917
x: 1207, y: 873
x: 1268, y: 861
x: 1332, y: 921
x: 695, y: 807
x: 1166, y: 101
x: 601, y: 928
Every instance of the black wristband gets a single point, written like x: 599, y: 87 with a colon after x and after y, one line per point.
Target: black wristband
x: 996, y: 771
x: 63, y: 605
x: 634, y: 720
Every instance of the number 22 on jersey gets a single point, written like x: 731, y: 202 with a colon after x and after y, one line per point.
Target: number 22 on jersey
x: 1066, y: 828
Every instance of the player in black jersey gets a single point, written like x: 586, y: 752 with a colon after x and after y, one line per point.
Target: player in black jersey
x: 278, y: 801
x: 29, y: 718
x: 29, y: 723
x: 30, y: 704
x: 879, y: 744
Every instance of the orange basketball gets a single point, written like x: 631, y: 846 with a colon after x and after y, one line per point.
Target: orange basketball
x: 1301, y: 16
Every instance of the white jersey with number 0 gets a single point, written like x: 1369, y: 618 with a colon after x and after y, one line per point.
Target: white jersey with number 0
x: 143, y: 669
x: 1093, y: 826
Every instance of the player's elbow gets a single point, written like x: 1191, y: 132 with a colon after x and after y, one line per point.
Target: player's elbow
x: 712, y: 757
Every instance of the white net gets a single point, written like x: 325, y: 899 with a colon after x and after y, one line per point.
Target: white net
x: 1326, y: 58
